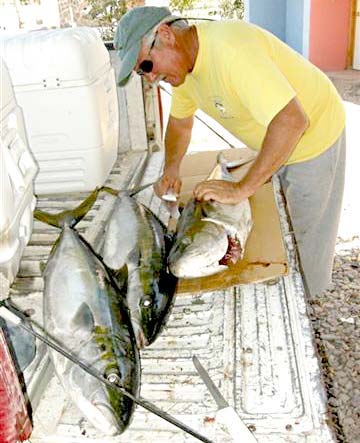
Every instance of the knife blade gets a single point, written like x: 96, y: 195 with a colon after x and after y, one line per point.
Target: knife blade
x: 226, y: 415
x: 214, y: 391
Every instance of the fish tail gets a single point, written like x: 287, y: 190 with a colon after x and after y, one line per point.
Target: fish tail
x: 84, y: 207
x: 130, y: 192
x: 68, y: 217
x: 221, y: 160
x: 110, y: 191
x: 116, y: 192
x: 45, y: 217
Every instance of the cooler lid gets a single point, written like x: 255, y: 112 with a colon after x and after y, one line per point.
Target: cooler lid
x: 6, y: 89
x: 69, y: 54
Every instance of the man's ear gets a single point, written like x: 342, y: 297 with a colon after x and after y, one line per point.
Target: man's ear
x: 166, y: 34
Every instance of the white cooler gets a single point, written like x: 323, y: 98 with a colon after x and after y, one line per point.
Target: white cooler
x: 17, y: 171
x: 64, y: 82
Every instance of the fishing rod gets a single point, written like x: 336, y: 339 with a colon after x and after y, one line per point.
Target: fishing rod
x: 12, y: 314
x: 203, y: 122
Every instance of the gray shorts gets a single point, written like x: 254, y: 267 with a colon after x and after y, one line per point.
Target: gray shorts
x: 313, y: 190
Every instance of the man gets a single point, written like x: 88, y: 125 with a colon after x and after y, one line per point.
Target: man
x: 264, y: 93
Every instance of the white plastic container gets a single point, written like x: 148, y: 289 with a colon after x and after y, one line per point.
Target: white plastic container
x: 64, y: 82
x: 17, y: 172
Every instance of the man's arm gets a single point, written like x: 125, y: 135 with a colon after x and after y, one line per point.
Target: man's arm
x: 177, y: 139
x: 282, y: 136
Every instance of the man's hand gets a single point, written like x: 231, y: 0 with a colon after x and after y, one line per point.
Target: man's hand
x: 219, y: 190
x: 169, y: 183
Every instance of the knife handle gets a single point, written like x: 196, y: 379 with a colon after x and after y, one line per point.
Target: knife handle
x: 238, y: 430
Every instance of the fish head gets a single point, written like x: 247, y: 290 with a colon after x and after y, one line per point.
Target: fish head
x: 199, y: 252
x: 106, y: 408
x: 155, y: 306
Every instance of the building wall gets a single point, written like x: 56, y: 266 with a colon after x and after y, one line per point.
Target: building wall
x: 270, y: 15
x: 295, y: 24
x: 317, y: 29
x: 284, y: 18
x: 329, y: 33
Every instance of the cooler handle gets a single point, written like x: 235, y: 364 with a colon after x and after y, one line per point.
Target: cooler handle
x: 24, y: 161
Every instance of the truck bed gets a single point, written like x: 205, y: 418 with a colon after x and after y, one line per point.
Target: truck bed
x: 255, y: 341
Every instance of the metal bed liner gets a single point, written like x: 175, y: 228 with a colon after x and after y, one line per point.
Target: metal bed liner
x: 255, y: 340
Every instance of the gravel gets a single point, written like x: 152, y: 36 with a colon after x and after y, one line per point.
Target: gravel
x: 336, y: 319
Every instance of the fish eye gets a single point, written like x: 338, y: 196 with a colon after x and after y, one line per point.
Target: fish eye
x: 147, y: 303
x: 113, y: 378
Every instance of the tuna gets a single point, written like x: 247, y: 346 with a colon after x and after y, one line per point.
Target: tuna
x: 134, y: 236
x: 85, y: 312
x: 210, y: 236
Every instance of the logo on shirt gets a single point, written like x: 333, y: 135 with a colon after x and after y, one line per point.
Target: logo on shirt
x: 220, y: 107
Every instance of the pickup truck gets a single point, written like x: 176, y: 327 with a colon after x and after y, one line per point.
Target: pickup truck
x: 255, y: 340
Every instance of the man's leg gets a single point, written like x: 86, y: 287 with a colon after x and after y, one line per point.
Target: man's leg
x: 313, y: 191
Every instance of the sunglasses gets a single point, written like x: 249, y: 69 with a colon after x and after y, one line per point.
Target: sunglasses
x: 146, y: 66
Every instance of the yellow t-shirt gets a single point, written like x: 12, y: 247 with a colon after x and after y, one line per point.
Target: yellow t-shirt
x: 243, y: 76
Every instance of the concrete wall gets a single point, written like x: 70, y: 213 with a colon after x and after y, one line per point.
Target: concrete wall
x: 329, y: 33
x: 270, y: 15
x: 284, y: 18
x: 295, y: 24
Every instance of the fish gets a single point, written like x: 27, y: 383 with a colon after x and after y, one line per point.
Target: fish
x: 135, y: 237
x: 85, y: 312
x: 210, y: 236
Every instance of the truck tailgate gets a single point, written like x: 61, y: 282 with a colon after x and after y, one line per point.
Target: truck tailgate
x: 255, y: 341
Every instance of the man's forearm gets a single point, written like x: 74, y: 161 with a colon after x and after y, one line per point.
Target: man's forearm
x: 282, y: 136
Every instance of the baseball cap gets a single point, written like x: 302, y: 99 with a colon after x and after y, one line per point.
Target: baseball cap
x: 132, y: 27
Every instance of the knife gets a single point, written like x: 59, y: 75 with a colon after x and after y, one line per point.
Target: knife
x: 226, y: 415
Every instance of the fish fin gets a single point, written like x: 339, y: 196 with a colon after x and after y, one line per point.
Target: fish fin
x: 224, y: 167
x: 121, y: 276
x: 216, y: 173
x: 220, y: 159
x: 69, y: 217
x: 83, y: 318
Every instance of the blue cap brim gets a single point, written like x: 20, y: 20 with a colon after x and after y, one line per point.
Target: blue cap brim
x: 128, y: 64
